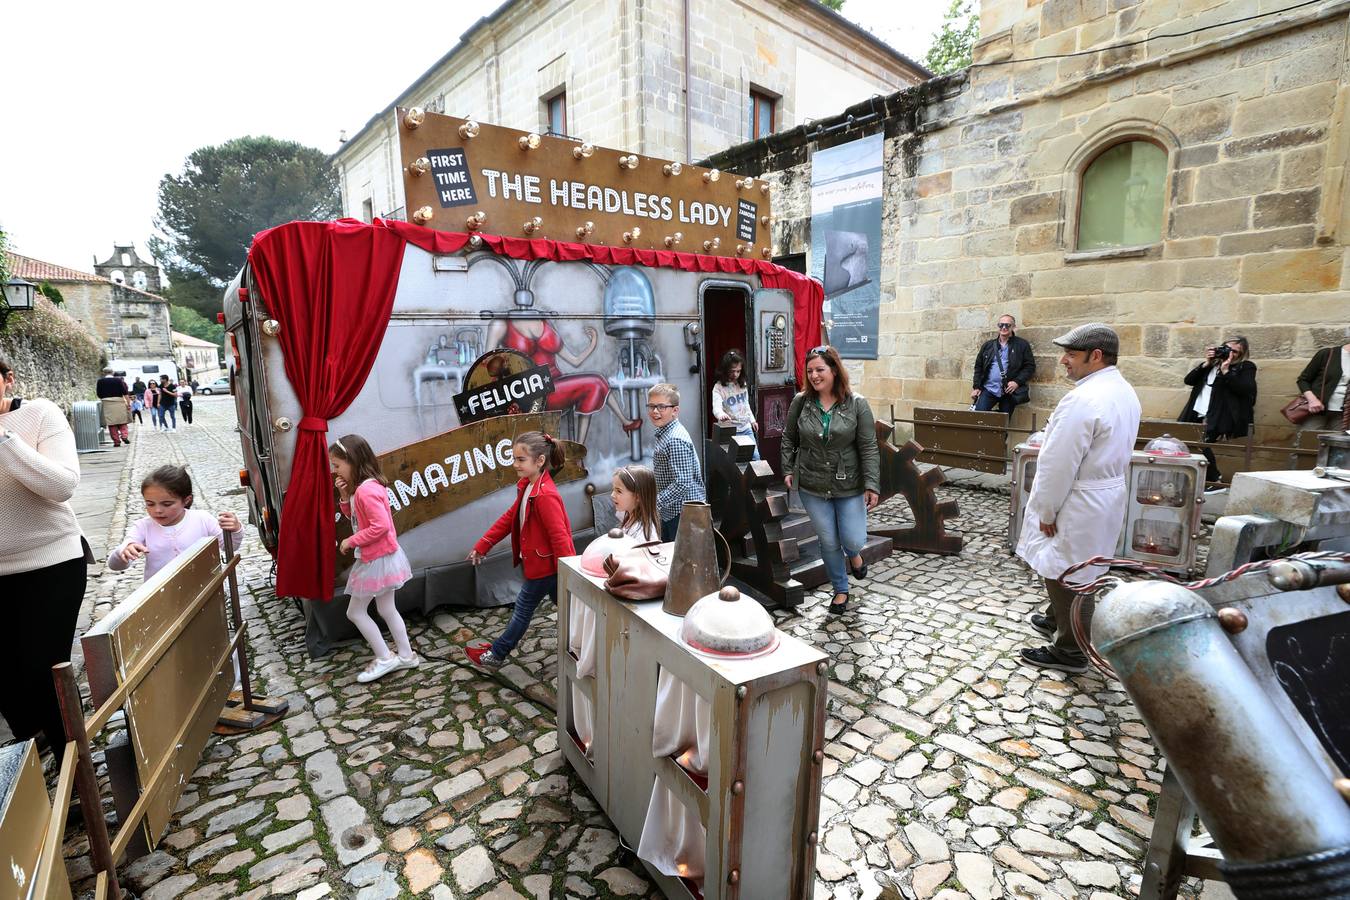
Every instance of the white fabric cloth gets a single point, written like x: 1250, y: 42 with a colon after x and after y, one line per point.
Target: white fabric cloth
x: 1201, y: 405
x: 682, y: 726
x: 1080, y: 477
x: 673, y: 838
x: 1337, y: 398
x: 524, y: 502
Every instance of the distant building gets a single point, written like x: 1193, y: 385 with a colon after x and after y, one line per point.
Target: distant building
x: 128, y: 322
x: 197, y: 360
x: 125, y: 267
x: 617, y: 74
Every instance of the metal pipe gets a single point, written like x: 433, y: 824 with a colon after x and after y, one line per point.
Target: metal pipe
x: 1304, y: 575
x: 1253, y: 783
x: 86, y: 782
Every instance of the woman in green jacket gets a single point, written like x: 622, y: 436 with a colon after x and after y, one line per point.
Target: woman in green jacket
x: 830, y: 456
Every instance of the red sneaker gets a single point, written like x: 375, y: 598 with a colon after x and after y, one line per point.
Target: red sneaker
x: 483, y: 657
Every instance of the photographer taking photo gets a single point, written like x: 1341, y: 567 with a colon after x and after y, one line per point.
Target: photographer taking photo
x: 1223, y: 395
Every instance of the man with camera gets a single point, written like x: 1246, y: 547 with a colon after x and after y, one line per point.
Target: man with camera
x: 1003, y: 367
x: 1223, y: 396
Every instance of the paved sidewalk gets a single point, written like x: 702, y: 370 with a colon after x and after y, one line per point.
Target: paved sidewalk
x: 952, y: 771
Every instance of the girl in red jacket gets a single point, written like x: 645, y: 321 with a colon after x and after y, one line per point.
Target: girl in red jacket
x: 540, y: 536
x: 381, y: 566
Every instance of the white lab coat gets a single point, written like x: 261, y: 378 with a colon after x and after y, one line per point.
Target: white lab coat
x: 1080, y: 481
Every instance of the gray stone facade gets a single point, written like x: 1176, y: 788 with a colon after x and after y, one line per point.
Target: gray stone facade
x: 982, y: 196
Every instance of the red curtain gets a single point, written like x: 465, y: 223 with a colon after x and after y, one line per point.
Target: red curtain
x: 331, y: 286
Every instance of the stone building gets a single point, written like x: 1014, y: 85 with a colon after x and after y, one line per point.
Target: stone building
x: 126, y: 267
x: 615, y: 73
x: 128, y: 323
x: 1184, y: 188
x: 196, y: 359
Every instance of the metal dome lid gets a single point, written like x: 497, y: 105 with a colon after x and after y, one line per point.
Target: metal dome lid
x: 1036, y: 438
x: 593, y: 557
x: 1166, y: 446
x: 729, y: 625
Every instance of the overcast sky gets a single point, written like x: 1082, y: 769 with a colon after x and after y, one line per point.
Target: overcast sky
x: 100, y: 101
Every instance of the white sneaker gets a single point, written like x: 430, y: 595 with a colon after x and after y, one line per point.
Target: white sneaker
x: 378, y: 669
x: 409, y: 662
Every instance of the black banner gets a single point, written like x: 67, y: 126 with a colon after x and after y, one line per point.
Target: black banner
x: 450, y: 174
x: 522, y: 392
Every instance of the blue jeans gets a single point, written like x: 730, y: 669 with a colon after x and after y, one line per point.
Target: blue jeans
x: 532, y: 593
x: 167, y: 413
x: 669, y: 529
x: 841, y: 526
x: 988, y: 402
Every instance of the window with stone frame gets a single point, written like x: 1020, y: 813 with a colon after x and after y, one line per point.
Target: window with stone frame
x: 761, y: 115
x: 1121, y: 197
x: 555, y: 114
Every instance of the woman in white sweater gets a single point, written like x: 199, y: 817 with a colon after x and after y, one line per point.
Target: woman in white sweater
x: 43, y: 558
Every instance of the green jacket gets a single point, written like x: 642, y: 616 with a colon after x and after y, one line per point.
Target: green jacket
x: 845, y: 463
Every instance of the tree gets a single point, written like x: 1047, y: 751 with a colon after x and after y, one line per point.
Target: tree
x: 48, y: 290
x: 191, y: 322
x: 835, y: 5
x: 951, y: 45
x: 225, y: 194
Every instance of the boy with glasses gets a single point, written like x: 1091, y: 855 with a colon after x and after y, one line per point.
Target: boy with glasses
x: 679, y: 478
x: 1003, y: 367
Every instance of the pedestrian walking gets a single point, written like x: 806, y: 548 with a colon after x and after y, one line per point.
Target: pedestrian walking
x: 44, y: 558
x: 540, y: 536
x: 381, y: 566
x: 152, y: 404
x: 185, y: 402
x: 170, y: 525
x: 1003, y: 369
x: 679, y: 478
x: 168, y: 404
x: 115, y: 398
x: 830, y: 456
x: 731, y: 398
x: 1078, y: 499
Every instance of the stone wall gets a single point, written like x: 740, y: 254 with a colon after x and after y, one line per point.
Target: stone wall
x: 621, y: 65
x: 52, y: 355
x: 981, y: 203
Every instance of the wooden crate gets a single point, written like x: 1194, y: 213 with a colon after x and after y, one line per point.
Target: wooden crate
x: 761, y: 804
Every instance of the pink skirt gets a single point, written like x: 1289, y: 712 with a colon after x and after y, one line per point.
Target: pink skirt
x: 389, y: 572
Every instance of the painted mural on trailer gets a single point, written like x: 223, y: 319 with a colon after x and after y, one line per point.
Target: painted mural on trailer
x: 530, y: 342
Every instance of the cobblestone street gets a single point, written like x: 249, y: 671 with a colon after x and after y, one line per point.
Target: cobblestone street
x: 951, y: 772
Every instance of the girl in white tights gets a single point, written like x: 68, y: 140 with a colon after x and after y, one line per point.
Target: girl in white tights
x: 381, y: 567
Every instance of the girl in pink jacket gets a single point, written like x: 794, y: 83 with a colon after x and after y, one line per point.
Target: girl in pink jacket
x: 381, y: 566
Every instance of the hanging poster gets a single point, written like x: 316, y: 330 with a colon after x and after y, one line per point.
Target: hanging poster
x: 846, y: 242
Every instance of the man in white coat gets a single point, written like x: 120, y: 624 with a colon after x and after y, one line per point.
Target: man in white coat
x: 1077, y: 501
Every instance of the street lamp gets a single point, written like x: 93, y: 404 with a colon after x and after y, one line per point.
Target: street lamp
x: 18, y: 296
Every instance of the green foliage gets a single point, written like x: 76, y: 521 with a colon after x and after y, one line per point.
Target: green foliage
x: 209, y: 213
x: 48, y: 290
x: 951, y: 45
x: 189, y: 321
x: 55, y: 356
x: 4, y: 260
x: 835, y: 5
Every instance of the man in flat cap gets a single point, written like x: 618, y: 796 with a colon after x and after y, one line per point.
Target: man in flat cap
x: 1077, y: 501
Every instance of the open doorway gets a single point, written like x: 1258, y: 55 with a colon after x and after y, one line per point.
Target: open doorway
x: 726, y: 316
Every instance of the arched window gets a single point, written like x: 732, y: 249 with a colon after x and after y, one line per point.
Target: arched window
x: 117, y: 277
x: 138, y: 280
x: 1121, y: 197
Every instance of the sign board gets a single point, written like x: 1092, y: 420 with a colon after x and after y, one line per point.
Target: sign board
x: 846, y: 242
x: 528, y: 185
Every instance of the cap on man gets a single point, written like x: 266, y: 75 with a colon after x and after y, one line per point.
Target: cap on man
x: 1077, y: 501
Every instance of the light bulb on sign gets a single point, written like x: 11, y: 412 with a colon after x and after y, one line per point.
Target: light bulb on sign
x: 475, y: 221
x: 628, y: 162
x: 423, y: 215
x: 741, y: 249
x: 476, y: 241
x: 419, y: 167
x: 711, y: 175
x: 764, y: 220
x: 583, y: 152
x: 764, y: 188
x: 532, y: 225
x: 630, y: 236
x: 714, y: 244
x: 529, y: 141
x: 766, y: 252
x: 744, y: 183
x: 673, y: 168
x: 469, y: 130
x: 414, y: 117
x: 584, y: 231
x: 674, y: 239
x: 271, y: 327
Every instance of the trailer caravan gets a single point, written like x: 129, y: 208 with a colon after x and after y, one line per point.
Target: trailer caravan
x: 490, y: 339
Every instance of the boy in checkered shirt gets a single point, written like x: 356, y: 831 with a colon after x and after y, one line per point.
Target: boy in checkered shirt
x: 679, y: 478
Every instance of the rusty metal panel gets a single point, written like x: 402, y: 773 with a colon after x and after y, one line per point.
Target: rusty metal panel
x: 767, y: 724
x: 962, y: 438
x: 163, y: 713
x: 450, y: 175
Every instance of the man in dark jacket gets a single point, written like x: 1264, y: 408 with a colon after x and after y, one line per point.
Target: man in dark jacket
x: 1223, y: 395
x: 1323, y: 382
x: 1003, y: 367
